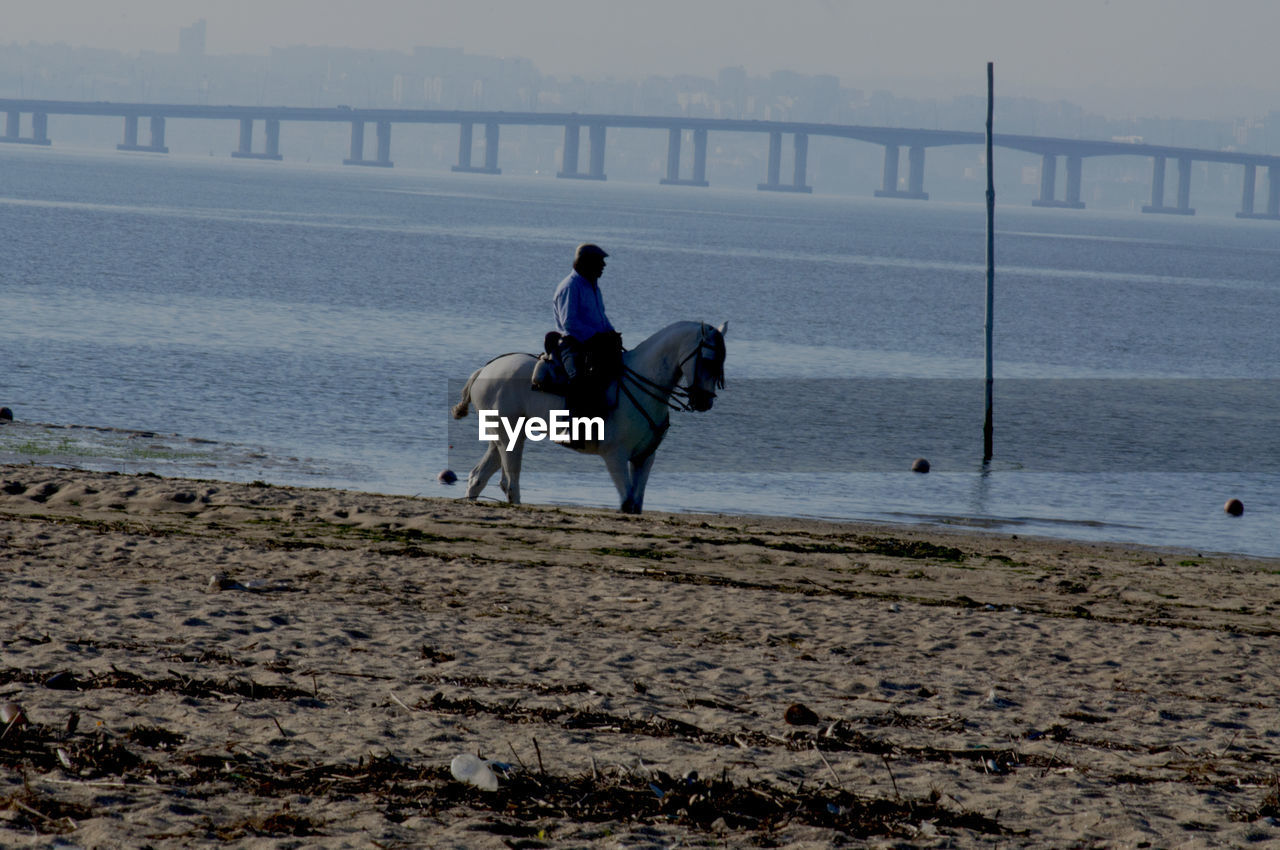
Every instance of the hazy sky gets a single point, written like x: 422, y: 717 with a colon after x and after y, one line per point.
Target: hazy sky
x: 1207, y: 58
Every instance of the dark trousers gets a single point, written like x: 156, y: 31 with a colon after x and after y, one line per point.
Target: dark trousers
x: 590, y: 366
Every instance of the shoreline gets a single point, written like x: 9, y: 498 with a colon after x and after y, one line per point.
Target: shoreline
x: 946, y: 524
x: 255, y: 663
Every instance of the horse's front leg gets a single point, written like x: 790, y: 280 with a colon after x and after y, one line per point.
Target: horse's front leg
x: 620, y: 472
x: 639, y: 480
x: 484, y: 471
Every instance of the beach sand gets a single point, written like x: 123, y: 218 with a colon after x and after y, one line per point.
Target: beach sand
x: 201, y: 661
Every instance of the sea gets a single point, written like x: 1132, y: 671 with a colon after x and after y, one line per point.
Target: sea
x: 310, y: 325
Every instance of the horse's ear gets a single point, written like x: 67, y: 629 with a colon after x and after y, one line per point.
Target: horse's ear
x: 724, y: 326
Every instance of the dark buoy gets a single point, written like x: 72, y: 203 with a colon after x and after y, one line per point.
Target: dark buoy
x: 447, y: 477
x: 6, y: 415
x: 920, y: 465
x: 1235, y: 507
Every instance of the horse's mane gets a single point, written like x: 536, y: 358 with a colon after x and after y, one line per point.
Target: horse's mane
x: 717, y: 342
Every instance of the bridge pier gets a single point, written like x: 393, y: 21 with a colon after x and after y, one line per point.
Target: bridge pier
x: 572, y: 143
x: 384, y: 144
x: 1048, y: 177
x: 491, y: 148
x: 915, y: 174
x: 272, y: 149
x: 465, y: 134
x: 1157, y: 188
x: 596, y: 134
x: 273, y: 138
x: 1273, y: 193
x: 1246, y: 197
x: 157, y: 134
x: 357, y: 145
x: 699, y: 177
x: 773, y: 184
x: 40, y: 128
x: 1075, y: 170
x: 13, y: 128
x: 569, y: 153
x: 355, y: 153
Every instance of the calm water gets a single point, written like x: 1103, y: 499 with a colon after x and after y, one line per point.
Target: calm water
x: 302, y: 325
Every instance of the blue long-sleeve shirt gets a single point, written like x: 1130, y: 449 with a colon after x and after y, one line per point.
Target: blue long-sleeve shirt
x: 579, y: 308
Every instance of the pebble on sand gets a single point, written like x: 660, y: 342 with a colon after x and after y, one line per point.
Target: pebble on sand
x: 1235, y: 507
x: 920, y: 465
x: 447, y: 476
x: 799, y: 714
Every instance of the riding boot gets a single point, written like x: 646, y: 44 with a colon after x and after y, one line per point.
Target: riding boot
x: 575, y: 402
x: 575, y: 375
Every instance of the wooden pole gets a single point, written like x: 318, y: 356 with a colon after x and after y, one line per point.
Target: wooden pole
x: 991, y: 258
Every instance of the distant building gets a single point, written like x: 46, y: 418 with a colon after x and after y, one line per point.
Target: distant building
x: 191, y: 40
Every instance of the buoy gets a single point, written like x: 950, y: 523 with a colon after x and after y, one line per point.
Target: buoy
x: 447, y: 476
x: 1235, y: 507
x: 6, y: 415
x: 920, y: 465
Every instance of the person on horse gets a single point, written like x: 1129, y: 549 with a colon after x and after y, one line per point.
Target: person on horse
x: 589, y: 348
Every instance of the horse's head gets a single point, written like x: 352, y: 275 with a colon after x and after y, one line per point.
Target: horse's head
x: 707, y: 374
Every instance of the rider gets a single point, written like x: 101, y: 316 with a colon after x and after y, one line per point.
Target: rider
x: 590, y: 349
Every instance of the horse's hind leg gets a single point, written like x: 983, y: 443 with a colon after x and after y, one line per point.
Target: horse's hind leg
x: 511, y: 470
x: 483, y: 471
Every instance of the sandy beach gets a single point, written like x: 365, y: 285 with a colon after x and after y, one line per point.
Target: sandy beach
x: 193, y: 662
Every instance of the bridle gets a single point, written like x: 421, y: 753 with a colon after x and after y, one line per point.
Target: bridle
x: 707, y: 354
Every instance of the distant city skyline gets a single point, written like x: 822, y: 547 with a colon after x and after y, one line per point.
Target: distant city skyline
x: 1120, y: 58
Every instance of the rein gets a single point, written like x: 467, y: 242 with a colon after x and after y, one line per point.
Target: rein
x: 664, y: 394
x: 657, y: 391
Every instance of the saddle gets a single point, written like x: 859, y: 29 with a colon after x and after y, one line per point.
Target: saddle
x: 589, y: 381
x: 548, y: 373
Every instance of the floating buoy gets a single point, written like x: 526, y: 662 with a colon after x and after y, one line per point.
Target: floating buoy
x: 920, y: 465
x: 447, y: 476
x: 1235, y: 507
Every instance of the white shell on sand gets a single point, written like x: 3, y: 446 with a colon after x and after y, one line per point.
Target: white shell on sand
x: 474, y: 771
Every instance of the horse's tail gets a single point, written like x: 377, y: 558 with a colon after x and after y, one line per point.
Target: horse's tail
x: 459, y: 410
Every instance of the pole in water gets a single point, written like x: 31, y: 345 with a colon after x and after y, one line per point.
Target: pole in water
x: 991, y: 258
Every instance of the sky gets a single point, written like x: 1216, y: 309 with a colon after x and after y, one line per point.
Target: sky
x: 1121, y: 58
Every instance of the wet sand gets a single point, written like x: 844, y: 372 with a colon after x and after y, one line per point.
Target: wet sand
x: 200, y: 661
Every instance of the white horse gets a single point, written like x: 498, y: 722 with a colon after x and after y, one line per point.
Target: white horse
x: 685, y: 360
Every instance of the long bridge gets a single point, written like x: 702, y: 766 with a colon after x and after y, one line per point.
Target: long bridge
x: 893, y: 139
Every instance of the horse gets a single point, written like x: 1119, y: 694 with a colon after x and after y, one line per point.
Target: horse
x: 652, y: 372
